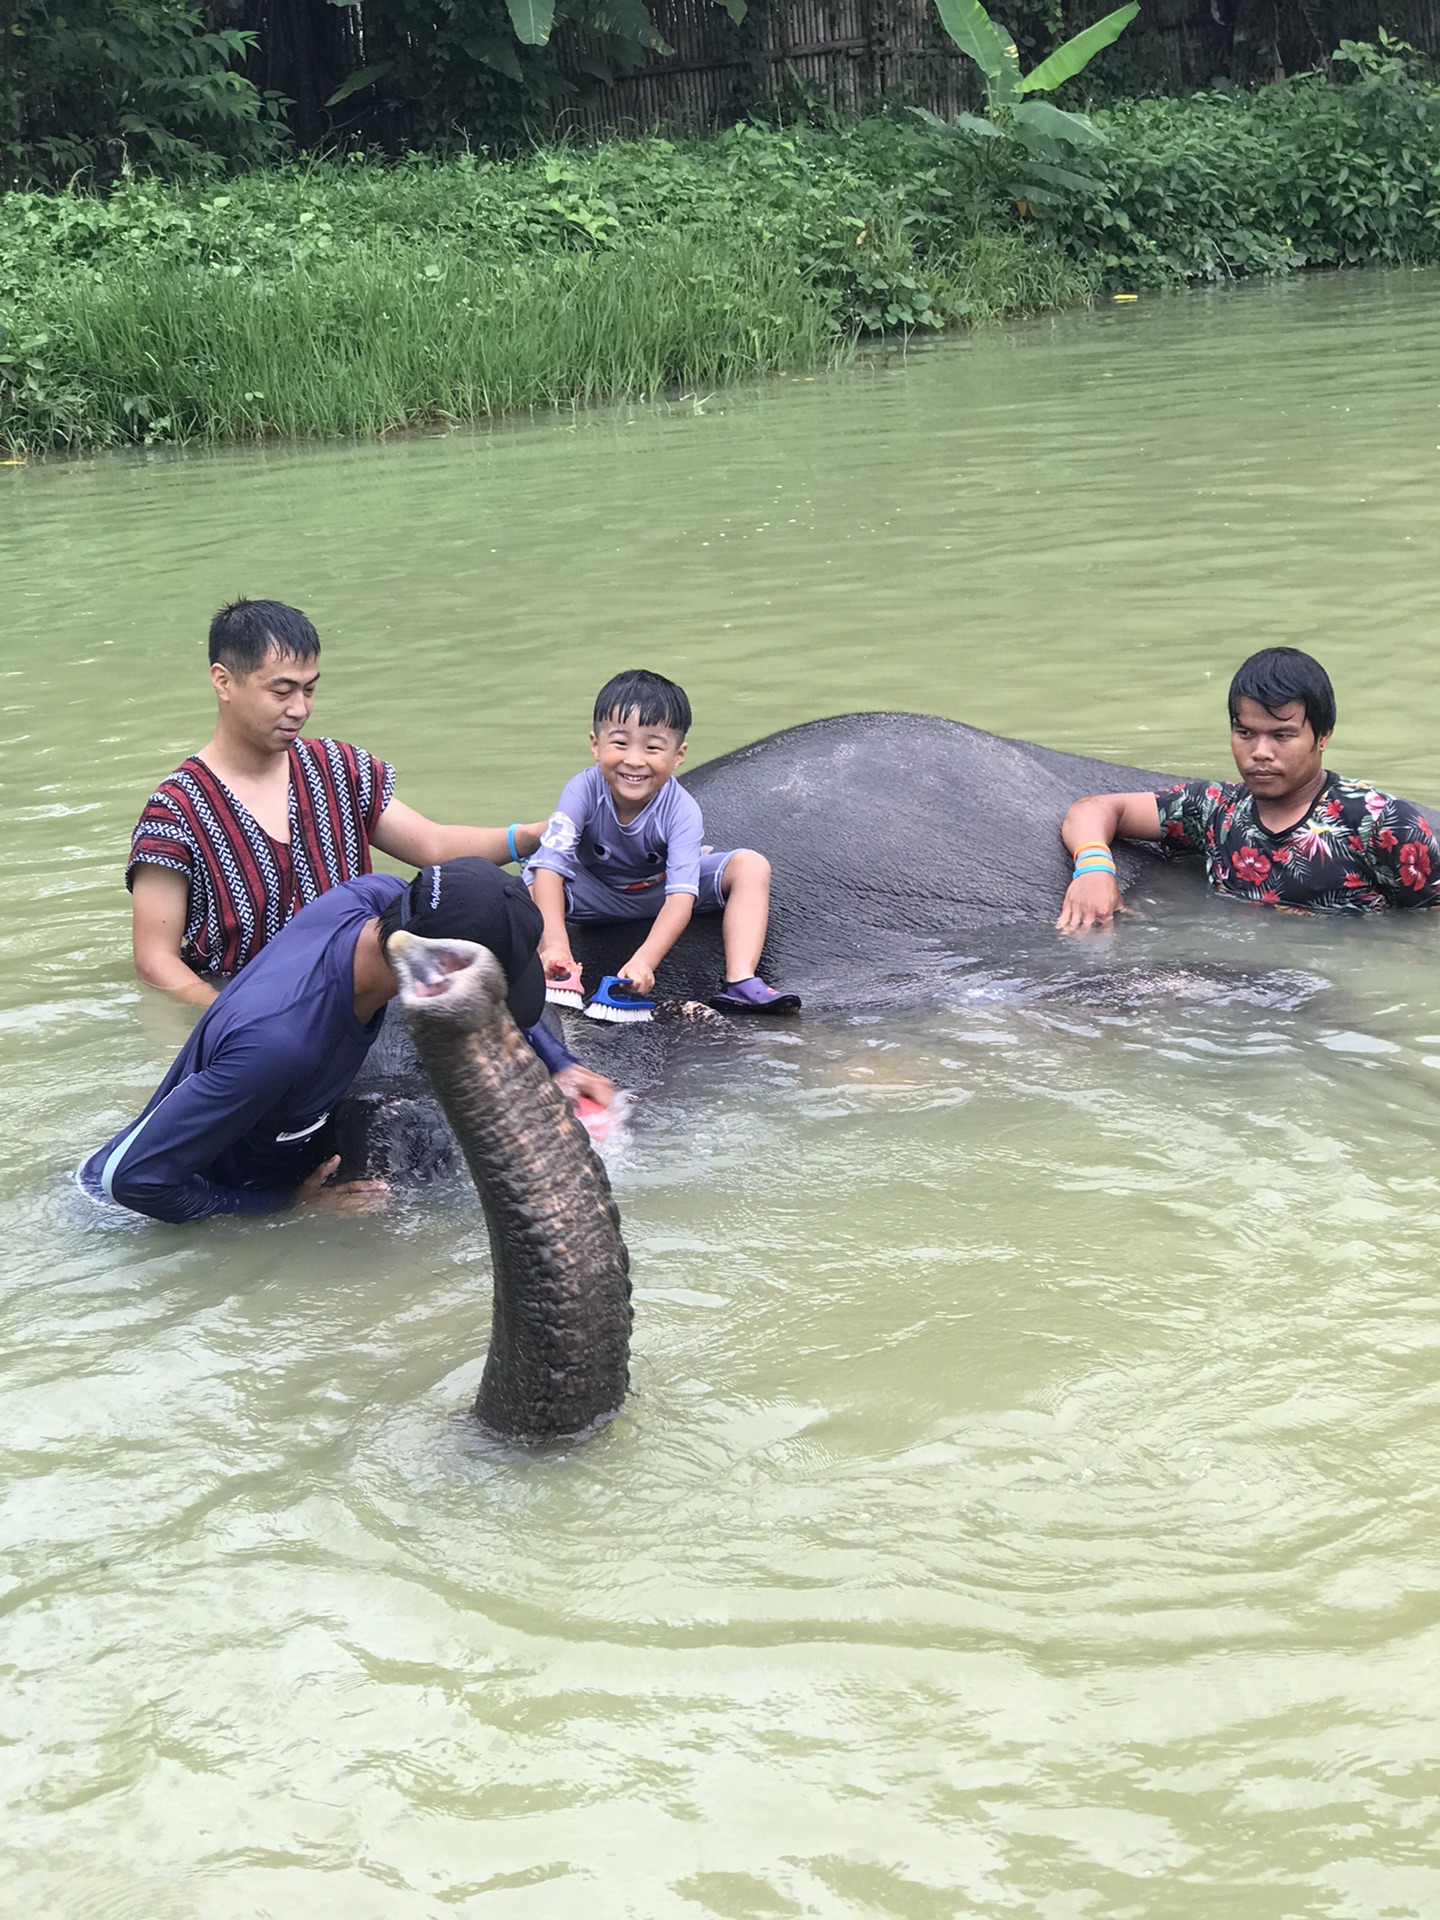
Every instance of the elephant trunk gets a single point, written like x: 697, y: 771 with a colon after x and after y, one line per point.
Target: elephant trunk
x: 558, y: 1364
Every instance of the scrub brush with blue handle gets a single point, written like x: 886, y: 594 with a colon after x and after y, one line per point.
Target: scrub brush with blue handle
x: 615, y: 999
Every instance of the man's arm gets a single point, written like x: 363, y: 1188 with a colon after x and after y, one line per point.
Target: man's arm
x: 160, y: 902
x: 1101, y: 820
x: 574, y: 1081
x: 407, y: 835
x: 668, y: 925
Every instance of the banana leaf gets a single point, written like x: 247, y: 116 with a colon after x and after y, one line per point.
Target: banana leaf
x: 629, y: 20
x: 1054, y: 123
x: 491, y: 51
x: 354, y: 82
x: 975, y: 33
x: 1067, y: 61
x: 972, y: 123
x: 532, y: 20
x: 1062, y: 177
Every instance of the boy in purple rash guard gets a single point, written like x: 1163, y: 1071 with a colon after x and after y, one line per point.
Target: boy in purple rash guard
x: 625, y: 842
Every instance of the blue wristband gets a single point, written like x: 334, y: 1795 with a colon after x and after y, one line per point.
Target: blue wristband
x: 510, y: 839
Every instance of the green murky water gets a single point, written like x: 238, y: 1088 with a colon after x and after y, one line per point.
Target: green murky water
x: 1027, y: 1506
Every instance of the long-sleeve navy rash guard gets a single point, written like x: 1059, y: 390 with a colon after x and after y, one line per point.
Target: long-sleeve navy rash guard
x: 230, y: 1129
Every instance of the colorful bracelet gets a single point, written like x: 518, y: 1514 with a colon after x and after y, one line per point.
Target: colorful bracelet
x: 510, y: 838
x: 1095, y: 858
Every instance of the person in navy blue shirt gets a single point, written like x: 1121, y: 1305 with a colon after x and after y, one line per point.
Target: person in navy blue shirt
x: 236, y: 1124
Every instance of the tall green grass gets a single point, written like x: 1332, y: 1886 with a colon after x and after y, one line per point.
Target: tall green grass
x: 358, y: 299
x: 364, y: 346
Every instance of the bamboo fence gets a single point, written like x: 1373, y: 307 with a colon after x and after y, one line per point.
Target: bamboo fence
x: 845, y: 54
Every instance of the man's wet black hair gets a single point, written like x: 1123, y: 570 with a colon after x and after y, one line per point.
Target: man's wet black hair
x: 654, y: 700
x: 1278, y: 675
x: 242, y: 634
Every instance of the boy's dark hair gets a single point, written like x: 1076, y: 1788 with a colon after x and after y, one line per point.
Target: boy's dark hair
x: 654, y: 700
x: 244, y: 632
x: 1278, y: 675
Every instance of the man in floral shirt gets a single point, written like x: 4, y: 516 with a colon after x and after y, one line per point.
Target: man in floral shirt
x: 1286, y: 834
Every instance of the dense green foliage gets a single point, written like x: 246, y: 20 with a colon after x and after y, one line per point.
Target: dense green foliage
x: 488, y: 69
x: 98, y: 83
x: 170, y: 85
x: 360, y: 297
x: 93, y: 84
x: 1305, y: 173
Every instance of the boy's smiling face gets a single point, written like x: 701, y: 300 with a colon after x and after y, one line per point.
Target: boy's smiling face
x: 635, y: 761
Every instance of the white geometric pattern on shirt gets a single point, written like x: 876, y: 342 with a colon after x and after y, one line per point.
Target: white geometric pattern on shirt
x: 203, y: 908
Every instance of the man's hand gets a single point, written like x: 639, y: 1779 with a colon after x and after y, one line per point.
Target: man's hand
x: 1099, y: 821
x: 527, y: 839
x: 583, y: 1083
x: 351, y: 1196
x: 641, y: 977
x: 1092, y: 901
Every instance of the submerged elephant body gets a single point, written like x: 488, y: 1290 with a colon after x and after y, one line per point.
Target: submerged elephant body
x: 893, y: 838
x: 888, y: 833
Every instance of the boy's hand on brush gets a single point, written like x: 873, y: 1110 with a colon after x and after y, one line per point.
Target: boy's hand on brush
x: 557, y: 960
x: 638, y: 976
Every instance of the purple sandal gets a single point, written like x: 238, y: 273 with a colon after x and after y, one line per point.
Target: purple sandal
x: 753, y: 996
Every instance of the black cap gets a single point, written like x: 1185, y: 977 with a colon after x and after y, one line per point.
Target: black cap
x: 471, y: 899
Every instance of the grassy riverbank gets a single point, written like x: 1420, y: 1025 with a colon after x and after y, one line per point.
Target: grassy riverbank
x: 358, y: 297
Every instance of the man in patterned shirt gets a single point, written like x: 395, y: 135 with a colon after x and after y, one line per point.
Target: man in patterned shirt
x: 1286, y: 834
x: 261, y: 821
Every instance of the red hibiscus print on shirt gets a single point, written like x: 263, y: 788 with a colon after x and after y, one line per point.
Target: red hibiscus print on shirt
x: 1250, y: 864
x: 1414, y: 865
x: 1357, y: 851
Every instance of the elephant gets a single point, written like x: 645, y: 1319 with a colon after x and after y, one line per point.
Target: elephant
x: 898, y: 841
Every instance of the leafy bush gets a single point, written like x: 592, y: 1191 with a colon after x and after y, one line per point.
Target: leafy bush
x: 490, y: 70
x: 108, y: 83
x: 1309, y: 171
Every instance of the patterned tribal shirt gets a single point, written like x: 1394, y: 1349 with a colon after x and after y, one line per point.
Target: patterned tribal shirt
x: 244, y: 886
x: 1356, y: 851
